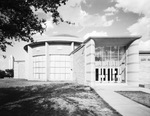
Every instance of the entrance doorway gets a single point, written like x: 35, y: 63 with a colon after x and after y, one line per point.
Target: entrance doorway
x: 110, y: 63
x: 108, y: 75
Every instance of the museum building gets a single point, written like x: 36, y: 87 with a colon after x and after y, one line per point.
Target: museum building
x: 97, y: 60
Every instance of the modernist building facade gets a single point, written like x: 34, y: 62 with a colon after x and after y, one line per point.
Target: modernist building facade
x: 97, y: 60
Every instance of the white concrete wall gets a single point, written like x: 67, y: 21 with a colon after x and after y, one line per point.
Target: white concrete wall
x: 79, y: 66
x: 47, y: 61
x: 133, y: 63
x: 90, y: 62
x: 144, y: 69
x: 60, y: 49
x: 39, y: 50
x: 19, y: 70
x: 29, y: 64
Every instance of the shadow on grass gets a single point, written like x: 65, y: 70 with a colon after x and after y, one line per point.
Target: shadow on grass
x: 55, y: 100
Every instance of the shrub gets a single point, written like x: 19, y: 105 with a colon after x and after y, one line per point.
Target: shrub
x: 9, y: 73
x: 2, y: 74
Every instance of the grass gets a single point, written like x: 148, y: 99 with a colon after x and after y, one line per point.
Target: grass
x: 137, y: 96
x: 53, y: 99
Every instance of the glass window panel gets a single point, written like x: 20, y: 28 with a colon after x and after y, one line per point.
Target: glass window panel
x: 67, y: 64
x: 36, y: 76
x: 67, y: 76
x: 60, y: 77
x: 52, y: 58
x: 40, y: 70
x: 52, y: 64
x: 52, y: 76
x: 63, y: 64
x: 44, y: 70
x: 67, y: 58
x: 39, y: 64
x: 42, y: 64
x: 57, y: 64
x: 55, y: 58
x: 57, y: 70
x: 121, y: 52
x: 106, y: 53
x: 52, y: 70
x: 114, y: 53
x: 63, y: 58
x: 56, y: 76
x: 98, y: 53
x: 39, y: 58
x: 61, y: 70
x: 67, y: 70
x: 63, y: 76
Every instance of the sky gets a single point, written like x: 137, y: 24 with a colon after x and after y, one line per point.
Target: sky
x: 93, y: 18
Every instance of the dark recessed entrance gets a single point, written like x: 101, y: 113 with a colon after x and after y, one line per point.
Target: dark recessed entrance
x: 110, y: 64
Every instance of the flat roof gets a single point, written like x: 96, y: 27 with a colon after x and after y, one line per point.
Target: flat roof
x: 113, y: 41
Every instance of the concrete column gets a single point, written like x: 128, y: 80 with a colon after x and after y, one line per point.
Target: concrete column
x: 133, y: 63
x: 90, y: 62
x: 29, y: 64
x: 47, y: 61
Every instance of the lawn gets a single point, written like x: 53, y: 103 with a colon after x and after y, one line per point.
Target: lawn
x: 54, y: 99
x: 137, y: 96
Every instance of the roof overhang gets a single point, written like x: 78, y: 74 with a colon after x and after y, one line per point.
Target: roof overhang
x: 144, y: 52
x: 51, y: 41
x: 113, y: 41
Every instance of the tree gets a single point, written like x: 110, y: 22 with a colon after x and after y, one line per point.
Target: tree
x: 18, y: 20
x: 2, y: 74
x: 9, y: 73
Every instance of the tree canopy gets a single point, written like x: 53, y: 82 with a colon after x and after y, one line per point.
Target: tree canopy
x: 18, y: 20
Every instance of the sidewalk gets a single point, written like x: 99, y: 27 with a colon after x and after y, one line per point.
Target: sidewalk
x: 121, y: 104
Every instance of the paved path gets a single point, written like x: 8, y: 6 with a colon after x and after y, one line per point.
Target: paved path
x: 121, y: 104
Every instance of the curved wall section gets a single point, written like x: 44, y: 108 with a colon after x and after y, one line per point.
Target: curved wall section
x: 133, y: 63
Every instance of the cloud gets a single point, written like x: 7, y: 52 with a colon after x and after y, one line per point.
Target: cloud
x: 95, y: 33
x: 111, y: 11
x: 49, y: 24
x: 144, y: 45
x: 73, y: 12
x: 136, y: 6
x: 142, y: 26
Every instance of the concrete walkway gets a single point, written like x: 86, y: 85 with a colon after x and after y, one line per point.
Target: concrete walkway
x: 121, y: 104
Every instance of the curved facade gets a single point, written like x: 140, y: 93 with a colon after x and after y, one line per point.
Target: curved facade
x: 49, y: 59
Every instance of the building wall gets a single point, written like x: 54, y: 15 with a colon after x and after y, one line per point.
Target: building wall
x: 90, y: 62
x: 79, y: 66
x: 60, y: 49
x: 19, y: 70
x: 133, y: 63
x: 144, y: 69
x: 41, y: 66
x: 39, y: 50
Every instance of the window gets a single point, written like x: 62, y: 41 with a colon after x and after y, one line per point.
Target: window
x: 39, y: 68
x: 110, y: 55
x: 59, y: 66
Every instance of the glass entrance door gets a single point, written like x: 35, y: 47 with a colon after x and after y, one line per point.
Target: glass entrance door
x: 108, y: 75
x: 110, y: 64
